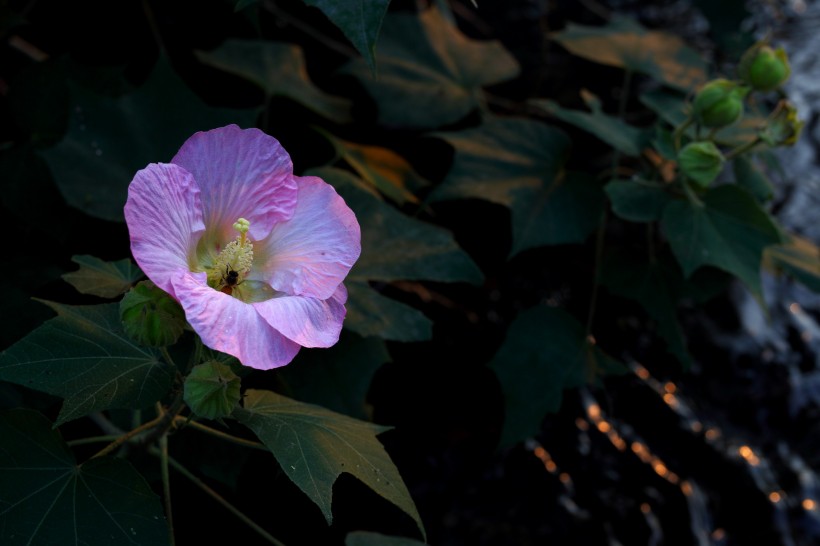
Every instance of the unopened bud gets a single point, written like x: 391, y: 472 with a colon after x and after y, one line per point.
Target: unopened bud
x: 719, y: 103
x: 701, y: 162
x: 764, y: 68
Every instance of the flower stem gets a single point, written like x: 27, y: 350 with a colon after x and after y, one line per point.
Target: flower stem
x: 127, y: 436
x: 218, y: 498
x: 731, y: 154
x: 91, y: 440
x: 166, y: 486
x: 690, y: 195
x: 222, y: 435
x: 678, y: 134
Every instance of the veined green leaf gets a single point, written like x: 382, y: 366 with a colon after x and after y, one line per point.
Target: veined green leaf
x: 314, y: 446
x: 626, y: 44
x: 84, y: 356
x: 109, y: 140
x: 518, y: 163
x: 279, y: 69
x: 103, y: 279
x: 545, y: 352
x: 47, y: 498
x: 366, y: 538
x: 637, y: 200
x: 337, y: 378
x: 800, y: 258
x: 430, y: 74
x: 371, y: 314
x: 360, y: 20
x: 610, y: 129
x: 729, y: 231
x: 396, y: 246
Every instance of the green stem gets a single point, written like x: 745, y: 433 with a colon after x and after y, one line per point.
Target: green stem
x: 218, y: 498
x: 678, y: 134
x: 599, y: 252
x: 91, y: 440
x: 743, y: 148
x: 127, y: 436
x: 196, y: 356
x: 222, y: 435
x: 167, y: 356
x: 691, y: 195
x: 166, y: 486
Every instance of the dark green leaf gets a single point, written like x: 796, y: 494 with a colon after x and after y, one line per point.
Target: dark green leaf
x: 384, y: 170
x: 371, y: 314
x: 429, y: 73
x: 242, y: 4
x: 749, y: 176
x: 518, y: 163
x: 637, y: 200
x: 729, y: 231
x: 610, y: 129
x: 360, y: 20
x: 83, y: 356
x: 46, y: 498
x: 109, y: 140
x: 395, y: 246
x: 366, y: 538
x: 38, y: 100
x: 314, y: 446
x: 545, y: 352
x: 279, y: 69
x: 800, y: 258
x: 656, y: 286
x: 103, y: 279
x: 337, y: 378
x: 626, y: 44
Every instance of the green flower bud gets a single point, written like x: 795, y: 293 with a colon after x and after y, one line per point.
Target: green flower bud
x: 719, y: 103
x: 782, y: 127
x: 150, y: 316
x: 212, y: 390
x: 701, y: 162
x: 764, y: 68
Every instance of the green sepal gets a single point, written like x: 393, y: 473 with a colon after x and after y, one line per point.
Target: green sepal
x: 212, y: 390
x: 719, y: 103
x: 150, y: 316
x: 701, y: 162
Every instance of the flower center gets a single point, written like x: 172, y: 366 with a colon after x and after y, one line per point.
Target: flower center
x: 234, y: 262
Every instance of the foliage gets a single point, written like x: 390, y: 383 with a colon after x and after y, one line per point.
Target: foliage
x: 478, y: 202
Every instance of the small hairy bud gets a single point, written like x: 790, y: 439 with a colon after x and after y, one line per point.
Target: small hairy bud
x: 764, y: 68
x: 719, y: 103
x: 701, y: 162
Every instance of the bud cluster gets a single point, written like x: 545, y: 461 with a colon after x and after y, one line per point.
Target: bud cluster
x: 720, y: 103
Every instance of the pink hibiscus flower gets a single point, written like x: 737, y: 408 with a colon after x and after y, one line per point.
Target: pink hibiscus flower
x: 255, y: 255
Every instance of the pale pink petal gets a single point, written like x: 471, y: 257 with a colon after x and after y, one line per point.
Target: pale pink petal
x: 310, y: 254
x: 164, y: 217
x: 231, y: 326
x: 307, y: 321
x: 241, y: 174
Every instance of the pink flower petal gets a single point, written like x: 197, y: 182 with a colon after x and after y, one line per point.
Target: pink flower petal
x: 241, y: 174
x: 307, y: 321
x: 310, y: 254
x: 229, y: 325
x: 164, y: 216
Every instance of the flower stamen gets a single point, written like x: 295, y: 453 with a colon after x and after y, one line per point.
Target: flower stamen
x: 234, y: 262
